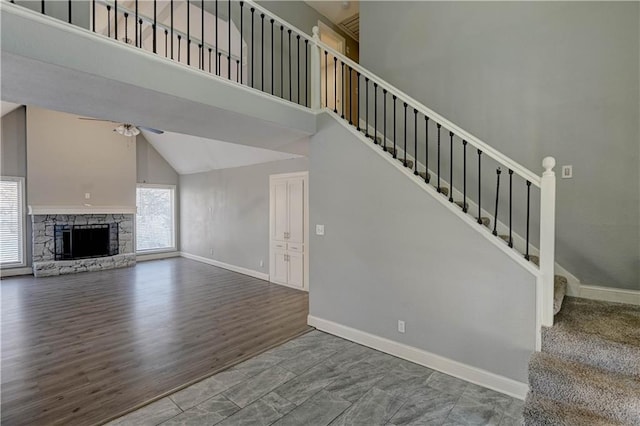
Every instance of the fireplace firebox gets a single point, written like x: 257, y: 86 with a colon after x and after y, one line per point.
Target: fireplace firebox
x: 85, y: 241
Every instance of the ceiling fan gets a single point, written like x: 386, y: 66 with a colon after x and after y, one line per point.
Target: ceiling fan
x: 125, y: 129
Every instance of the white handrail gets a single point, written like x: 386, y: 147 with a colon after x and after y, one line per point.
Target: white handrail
x: 270, y: 14
x: 491, y: 152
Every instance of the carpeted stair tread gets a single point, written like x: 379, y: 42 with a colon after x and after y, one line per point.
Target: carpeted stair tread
x: 424, y: 175
x: 610, y: 395
x: 601, y: 334
x: 462, y: 205
x: 545, y: 412
x: 534, y: 259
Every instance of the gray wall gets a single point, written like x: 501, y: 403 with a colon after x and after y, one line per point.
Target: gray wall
x: 13, y: 157
x: 152, y: 168
x: 80, y: 10
x: 406, y: 257
x: 228, y: 211
x: 535, y: 79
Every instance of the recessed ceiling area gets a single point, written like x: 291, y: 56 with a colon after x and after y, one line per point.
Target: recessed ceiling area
x: 193, y: 154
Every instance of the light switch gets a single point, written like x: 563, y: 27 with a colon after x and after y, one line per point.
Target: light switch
x: 567, y: 172
x: 319, y: 229
x: 87, y: 195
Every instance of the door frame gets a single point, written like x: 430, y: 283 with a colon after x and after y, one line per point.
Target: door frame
x: 305, y: 178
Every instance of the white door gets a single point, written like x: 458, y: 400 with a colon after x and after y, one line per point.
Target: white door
x: 280, y: 210
x: 296, y: 210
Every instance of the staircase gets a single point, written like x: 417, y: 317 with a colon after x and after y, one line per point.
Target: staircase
x: 588, y: 372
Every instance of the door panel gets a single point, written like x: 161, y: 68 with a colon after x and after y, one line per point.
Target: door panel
x: 296, y: 210
x: 281, y: 211
x: 296, y: 269
x: 279, y: 267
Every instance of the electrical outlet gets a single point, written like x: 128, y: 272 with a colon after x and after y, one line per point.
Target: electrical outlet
x: 261, y: 263
x: 87, y: 195
x: 319, y: 229
x: 567, y: 172
x: 400, y: 326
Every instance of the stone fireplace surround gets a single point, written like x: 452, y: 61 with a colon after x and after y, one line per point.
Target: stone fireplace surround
x: 44, y: 263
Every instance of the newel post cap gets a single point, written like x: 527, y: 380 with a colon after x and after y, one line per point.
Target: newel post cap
x: 316, y: 32
x: 548, y: 163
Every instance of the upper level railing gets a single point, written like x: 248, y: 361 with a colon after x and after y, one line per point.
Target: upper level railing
x: 245, y: 43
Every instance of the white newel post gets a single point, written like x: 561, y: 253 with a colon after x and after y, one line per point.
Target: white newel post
x: 547, y: 237
x: 315, y: 70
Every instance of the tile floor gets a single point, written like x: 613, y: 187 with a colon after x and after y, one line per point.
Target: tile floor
x: 320, y: 379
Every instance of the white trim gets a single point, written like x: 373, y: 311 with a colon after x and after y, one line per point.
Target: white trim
x: 454, y: 368
x: 87, y: 209
x: 607, y: 294
x: 238, y: 269
x: 12, y: 272
x: 23, y: 222
x: 174, y: 204
x: 143, y: 257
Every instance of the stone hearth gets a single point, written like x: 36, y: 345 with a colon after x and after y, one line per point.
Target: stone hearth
x: 44, y: 263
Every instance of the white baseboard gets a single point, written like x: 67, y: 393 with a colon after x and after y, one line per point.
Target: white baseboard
x: 14, y: 272
x: 610, y: 294
x: 155, y: 256
x: 234, y: 268
x: 454, y: 368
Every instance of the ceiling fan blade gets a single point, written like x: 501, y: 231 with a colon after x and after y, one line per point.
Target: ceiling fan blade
x: 149, y: 129
x: 97, y: 119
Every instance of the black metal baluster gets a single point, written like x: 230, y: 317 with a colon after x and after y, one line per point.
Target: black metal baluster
x: 179, y: 40
x: 93, y: 16
x: 140, y: 22
x: 218, y: 71
x: 166, y: 40
x: 238, y: 70
x: 219, y: 61
x: 326, y: 79
x: 495, y: 216
x: 427, y: 177
x: 289, y: 33
x: 479, y: 187
x: 344, y: 87
x: 526, y: 255
x: 366, y: 106
x: 253, y: 58
x: 451, y: 167
x: 306, y: 75
x: 384, y: 120
x: 405, y: 135
x: 200, y: 64
x: 210, y: 59
x: 438, y: 162
x: 155, y: 25
x: 375, y: 113
x: 298, y: 61
x: 464, y: 176
x: 136, y: 25
x: 510, y: 207
x: 108, y: 19
x: 69, y: 11
x: 189, y: 33
x: 229, y: 39
x: 358, y: 104
x: 42, y: 7
x: 241, y: 37
x: 350, y: 97
x: 395, y: 151
x: 171, y: 13
x: 202, y: 32
x: 335, y: 85
x: 272, y: 21
x: 282, y: 61
x: 115, y: 19
x: 126, y: 27
x: 262, y: 51
x: 415, y: 142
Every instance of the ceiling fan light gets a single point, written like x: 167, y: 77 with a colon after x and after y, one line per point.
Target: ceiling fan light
x: 127, y: 130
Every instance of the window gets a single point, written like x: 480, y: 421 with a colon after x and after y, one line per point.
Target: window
x: 155, y: 221
x: 11, y: 222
